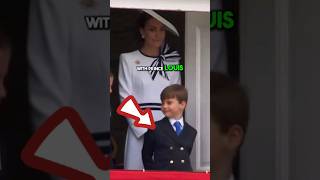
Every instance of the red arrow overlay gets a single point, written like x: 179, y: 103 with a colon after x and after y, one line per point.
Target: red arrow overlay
x: 130, y: 108
x: 64, y: 114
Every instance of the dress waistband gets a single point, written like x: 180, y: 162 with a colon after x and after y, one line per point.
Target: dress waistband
x: 152, y: 106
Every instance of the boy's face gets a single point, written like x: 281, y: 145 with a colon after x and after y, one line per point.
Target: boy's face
x: 218, y: 145
x: 172, y: 108
x: 224, y: 145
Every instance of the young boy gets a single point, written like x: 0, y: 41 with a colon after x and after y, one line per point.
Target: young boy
x: 168, y: 147
x: 229, y: 120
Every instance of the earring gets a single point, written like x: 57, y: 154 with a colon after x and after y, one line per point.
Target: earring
x: 142, y: 36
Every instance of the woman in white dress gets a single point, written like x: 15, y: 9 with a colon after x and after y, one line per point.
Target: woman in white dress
x: 146, y: 86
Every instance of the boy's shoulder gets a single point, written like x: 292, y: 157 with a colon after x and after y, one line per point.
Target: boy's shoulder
x: 191, y: 129
x: 162, y: 122
x: 129, y: 56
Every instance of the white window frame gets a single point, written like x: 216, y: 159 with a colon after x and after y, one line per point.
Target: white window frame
x: 169, y: 5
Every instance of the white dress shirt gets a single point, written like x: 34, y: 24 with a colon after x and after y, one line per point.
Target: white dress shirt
x: 172, y: 121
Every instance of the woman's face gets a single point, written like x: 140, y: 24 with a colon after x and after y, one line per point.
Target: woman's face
x: 153, y: 33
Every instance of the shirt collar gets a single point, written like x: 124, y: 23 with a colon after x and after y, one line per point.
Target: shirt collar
x: 172, y: 121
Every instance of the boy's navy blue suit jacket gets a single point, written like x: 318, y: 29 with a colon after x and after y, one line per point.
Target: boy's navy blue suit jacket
x: 163, y: 149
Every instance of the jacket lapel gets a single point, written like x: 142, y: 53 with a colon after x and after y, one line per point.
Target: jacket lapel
x: 185, y: 133
x: 170, y: 131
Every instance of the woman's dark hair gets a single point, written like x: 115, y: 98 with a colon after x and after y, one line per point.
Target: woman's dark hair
x: 142, y: 19
x: 4, y: 33
x: 141, y: 23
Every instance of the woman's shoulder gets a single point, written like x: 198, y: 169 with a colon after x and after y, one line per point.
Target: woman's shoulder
x: 129, y: 55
